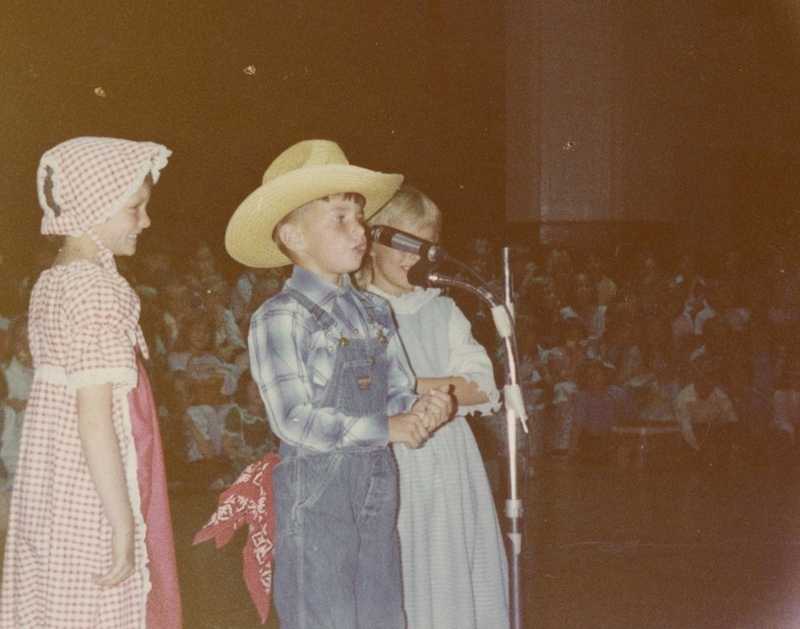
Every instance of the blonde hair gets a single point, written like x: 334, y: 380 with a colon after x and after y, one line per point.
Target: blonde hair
x: 408, y: 205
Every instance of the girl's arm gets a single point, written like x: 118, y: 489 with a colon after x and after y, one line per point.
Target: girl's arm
x: 466, y: 392
x: 104, y: 459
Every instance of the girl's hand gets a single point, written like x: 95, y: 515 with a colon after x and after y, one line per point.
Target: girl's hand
x: 123, y: 562
x: 435, y: 407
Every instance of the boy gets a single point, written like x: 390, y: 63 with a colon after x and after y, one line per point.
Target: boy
x: 337, y: 388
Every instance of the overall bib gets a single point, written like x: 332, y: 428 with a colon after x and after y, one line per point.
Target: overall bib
x: 337, y: 553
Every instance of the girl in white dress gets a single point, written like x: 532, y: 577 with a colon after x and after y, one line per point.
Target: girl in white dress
x: 453, y: 558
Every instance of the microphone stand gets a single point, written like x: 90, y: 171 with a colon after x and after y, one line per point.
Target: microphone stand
x: 515, y: 408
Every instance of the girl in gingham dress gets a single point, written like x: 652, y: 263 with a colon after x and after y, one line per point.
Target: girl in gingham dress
x: 90, y: 539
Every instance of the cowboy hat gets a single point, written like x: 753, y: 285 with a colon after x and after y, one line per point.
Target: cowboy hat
x: 307, y: 171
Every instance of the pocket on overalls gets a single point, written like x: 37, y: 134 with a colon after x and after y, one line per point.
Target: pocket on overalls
x: 358, y: 387
x: 300, y: 481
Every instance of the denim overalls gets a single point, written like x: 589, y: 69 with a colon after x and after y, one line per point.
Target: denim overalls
x: 337, y: 553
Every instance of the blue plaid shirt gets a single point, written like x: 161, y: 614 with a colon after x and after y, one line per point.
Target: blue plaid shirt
x: 291, y: 357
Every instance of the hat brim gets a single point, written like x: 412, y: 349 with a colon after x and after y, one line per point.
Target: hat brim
x: 248, y: 237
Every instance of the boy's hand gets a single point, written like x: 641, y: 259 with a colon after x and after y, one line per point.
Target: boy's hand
x: 436, y: 407
x: 408, y: 428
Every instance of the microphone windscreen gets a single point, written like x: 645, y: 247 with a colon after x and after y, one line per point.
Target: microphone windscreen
x: 419, y: 272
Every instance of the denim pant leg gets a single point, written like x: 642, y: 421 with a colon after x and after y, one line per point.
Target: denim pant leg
x: 378, y: 578
x: 336, y: 550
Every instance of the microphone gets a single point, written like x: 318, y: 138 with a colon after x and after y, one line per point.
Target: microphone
x: 420, y: 273
x: 402, y: 241
x: 425, y: 274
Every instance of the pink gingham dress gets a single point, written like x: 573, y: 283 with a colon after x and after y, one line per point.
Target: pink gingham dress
x: 84, y: 330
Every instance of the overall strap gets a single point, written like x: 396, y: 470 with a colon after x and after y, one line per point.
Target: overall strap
x: 377, y: 318
x: 323, y: 318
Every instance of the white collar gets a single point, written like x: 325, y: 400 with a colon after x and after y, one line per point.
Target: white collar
x: 408, y: 303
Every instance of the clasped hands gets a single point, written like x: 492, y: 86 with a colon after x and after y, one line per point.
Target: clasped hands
x: 428, y: 413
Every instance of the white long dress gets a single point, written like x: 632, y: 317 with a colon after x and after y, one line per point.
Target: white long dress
x: 455, y: 573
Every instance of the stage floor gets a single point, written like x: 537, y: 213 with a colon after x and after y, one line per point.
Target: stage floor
x: 659, y: 548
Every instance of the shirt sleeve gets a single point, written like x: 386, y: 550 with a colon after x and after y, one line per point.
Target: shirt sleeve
x: 401, y: 380
x: 102, y: 322
x: 281, y: 353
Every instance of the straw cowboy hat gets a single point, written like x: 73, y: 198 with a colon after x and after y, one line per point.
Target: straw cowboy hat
x: 304, y: 172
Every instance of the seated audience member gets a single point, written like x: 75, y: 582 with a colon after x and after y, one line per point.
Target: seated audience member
x: 18, y: 374
x: 11, y: 429
x: 605, y: 287
x: 543, y: 305
x: 253, y: 288
x: 623, y: 351
x: 192, y: 438
x: 598, y: 406
x: 195, y: 354
x: 584, y: 305
x: 531, y: 357
x: 684, y: 340
x: 654, y: 393
x: 176, y: 308
x: 562, y: 384
x: 708, y: 421
x: 649, y: 285
x: 559, y: 270
x: 229, y: 342
x: 737, y: 316
x: 717, y: 341
x: 688, y: 279
x: 247, y: 436
x: 19, y: 368
x: 202, y: 264
x: 155, y: 265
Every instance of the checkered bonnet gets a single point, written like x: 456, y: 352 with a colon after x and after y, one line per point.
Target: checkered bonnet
x: 84, y: 181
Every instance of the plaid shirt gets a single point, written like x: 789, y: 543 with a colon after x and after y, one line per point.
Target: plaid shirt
x: 292, y: 361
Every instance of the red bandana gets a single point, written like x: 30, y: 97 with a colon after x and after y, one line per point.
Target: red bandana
x: 249, y: 500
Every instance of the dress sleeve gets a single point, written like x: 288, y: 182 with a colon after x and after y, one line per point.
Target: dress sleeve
x: 102, y: 318
x: 469, y: 360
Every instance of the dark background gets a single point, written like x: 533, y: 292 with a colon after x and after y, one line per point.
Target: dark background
x: 411, y: 86
x: 402, y: 86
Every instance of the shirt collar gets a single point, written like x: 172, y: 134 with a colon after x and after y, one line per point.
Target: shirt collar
x: 317, y: 288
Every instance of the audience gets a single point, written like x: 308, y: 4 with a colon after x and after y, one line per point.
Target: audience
x: 702, y: 343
